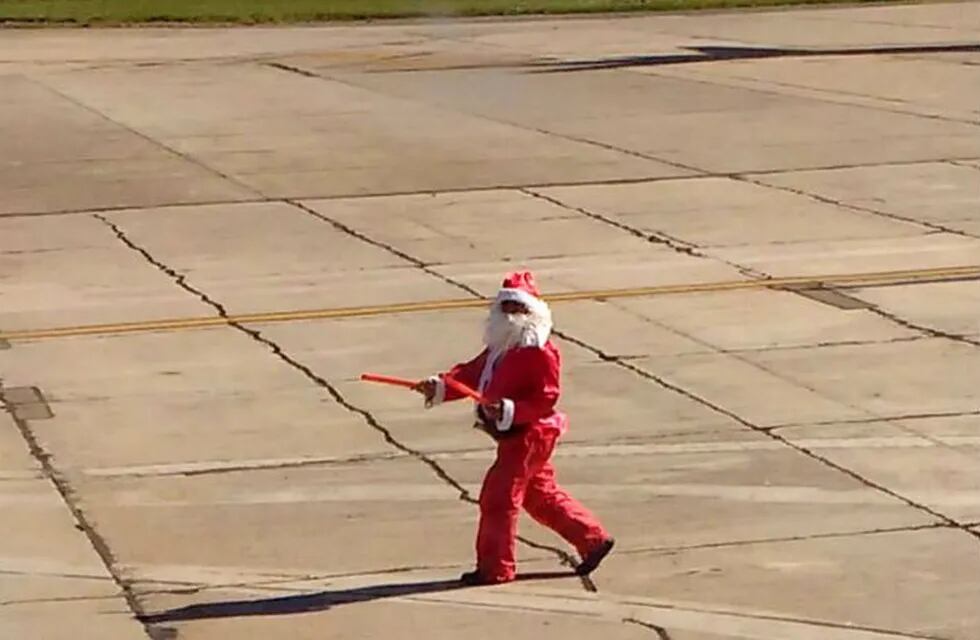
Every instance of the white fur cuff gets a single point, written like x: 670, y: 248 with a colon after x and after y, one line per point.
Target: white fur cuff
x: 506, y: 420
x: 440, y: 394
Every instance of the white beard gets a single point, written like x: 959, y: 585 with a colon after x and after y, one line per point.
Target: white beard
x: 504, y: 331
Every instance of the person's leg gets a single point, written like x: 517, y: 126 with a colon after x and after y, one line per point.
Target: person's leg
x: 555, y: 508
x: 500, y: 501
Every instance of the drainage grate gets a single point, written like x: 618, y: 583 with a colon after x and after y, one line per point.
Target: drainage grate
x: 26, y: 403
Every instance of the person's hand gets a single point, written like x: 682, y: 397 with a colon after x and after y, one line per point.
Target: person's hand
x: 427, y: 388
x: 493, y: 411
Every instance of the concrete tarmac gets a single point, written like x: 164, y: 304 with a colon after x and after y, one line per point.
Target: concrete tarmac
x: 761, y: 233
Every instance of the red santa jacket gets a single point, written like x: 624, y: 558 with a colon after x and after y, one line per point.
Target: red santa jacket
x: 525, y: 380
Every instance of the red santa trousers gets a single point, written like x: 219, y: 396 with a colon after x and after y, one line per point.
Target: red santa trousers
x: 523, y: 476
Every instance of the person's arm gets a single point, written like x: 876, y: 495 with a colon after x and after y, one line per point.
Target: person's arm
x: 540, y: 388
x: 435, y: 389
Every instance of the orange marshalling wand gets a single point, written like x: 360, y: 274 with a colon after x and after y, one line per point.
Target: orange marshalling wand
x: 410, y: 384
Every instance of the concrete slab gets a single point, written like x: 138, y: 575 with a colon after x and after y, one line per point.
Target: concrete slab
x: 870, y: 81
x: 603, y: 401
x: 939, y: 473
x: 650, y: 267
x: 838, y: 134
x: 671, y: 497
x: 452, y: 228
x: 699, y: 125
x: 60, y: 155
x: 753, y: 320
x: 856, y: 256
x: 885, y: 379
x: 304, y: 521
x: 16, y: 461
x: 216, y: 467
x: 223, y: 249
x: 737, y: 384
x: 45, y: 540
x: 944, y: 306
x: 52, y: 580
x: 856, y: 568
x: 212, y: 397
x: 420, y: 615
x: 369, y: 152
x: 725, y: 212
x: 63, y: 620
x: 59, y: 272
x: 938, y: 193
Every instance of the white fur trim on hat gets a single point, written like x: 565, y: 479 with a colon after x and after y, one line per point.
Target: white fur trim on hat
x: 440, y: 395
x: 506, y: 420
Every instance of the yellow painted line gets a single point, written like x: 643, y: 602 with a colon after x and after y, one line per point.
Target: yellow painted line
x: 174, y: 324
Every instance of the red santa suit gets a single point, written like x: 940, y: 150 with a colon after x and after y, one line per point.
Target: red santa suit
x: 523, y: 375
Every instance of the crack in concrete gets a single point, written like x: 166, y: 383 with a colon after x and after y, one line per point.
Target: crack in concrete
x: 656, y: 237
x: 739, y: 355
x: 67, y: 493
x: 693, y: 250
x: 967, y: 165
x: 464, y: 494
x: 674, y: 388
x: 10, y: 603
x: 660, y: 631
x: 798, y: 538
x: 929, y: 331
x: 892, y: 418
x: 156, y: 143
x: 935, y: 226
x: 518, y: 125
x: 563, y: 555
x: 510, y: 186
x: 770, y: 434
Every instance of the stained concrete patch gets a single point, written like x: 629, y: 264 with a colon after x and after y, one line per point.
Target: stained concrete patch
x: 26, y: 403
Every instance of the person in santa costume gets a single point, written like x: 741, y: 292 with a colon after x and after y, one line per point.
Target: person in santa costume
x: 518, y: 374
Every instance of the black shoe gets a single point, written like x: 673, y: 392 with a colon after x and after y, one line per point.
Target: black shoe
x: 591, y: 562
x: 476, y: 579
x: 473, y: 579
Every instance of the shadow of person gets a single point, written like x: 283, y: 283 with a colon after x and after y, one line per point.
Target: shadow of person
x: 320, y: 601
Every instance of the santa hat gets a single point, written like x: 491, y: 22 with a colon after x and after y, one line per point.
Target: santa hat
x: 519, y: 286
